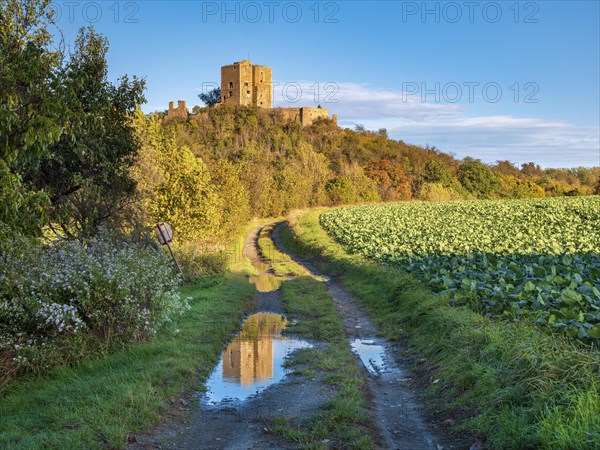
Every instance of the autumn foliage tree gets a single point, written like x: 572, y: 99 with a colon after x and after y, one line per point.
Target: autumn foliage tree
x: 391, y: 181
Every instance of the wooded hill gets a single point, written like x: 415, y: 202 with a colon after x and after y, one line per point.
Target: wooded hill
x: 282, y: 165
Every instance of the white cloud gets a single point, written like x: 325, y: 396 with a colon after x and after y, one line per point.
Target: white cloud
x: 449, y: 127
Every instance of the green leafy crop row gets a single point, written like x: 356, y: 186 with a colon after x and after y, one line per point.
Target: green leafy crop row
x: 537, y: 259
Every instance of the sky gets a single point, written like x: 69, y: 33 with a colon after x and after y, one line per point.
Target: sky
x: 504, y: 80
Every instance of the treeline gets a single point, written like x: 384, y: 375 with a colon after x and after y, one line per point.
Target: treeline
x: 275, y: 165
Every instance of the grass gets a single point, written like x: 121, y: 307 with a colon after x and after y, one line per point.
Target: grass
x: 512, y: 383
x: 282, y: 264
x: 98, y: 403
x: 344, y: 421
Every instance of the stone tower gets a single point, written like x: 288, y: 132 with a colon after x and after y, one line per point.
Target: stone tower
x: 244, y: 83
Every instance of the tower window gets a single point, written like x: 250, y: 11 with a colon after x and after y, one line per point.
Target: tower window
x: 248, y: 92
x: 230, y: 85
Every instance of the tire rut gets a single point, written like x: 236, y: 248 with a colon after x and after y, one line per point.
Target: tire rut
x: 397, y: 412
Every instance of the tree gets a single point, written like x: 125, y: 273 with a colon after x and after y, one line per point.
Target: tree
x: 506, y: 168
x: 341, y: 190
x: 86, y: 172
x: 391, y: 182
x: 303, y: 179
x: 186, y: 198
x: 234, y: 198
x: 436, y: 172
x: 175, y: 186
x: 531, y: 170
x: 65, y: 135
x: 519, y: 187
x: 31, y: 115
x: 477, y: 178
x: 211, y: 98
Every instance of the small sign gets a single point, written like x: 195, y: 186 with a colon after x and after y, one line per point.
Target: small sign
x: 164, y: 233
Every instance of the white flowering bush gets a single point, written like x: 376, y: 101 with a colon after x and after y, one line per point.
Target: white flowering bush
x: 57, y: 300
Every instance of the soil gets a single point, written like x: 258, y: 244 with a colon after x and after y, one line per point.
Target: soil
x: 395, y: 406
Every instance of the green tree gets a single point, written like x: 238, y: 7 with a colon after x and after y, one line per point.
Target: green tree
x: 86, y: 172
x: 234, y: 198
x: 31, y: 115
x: 341, y: 191
x: 186, y: 198
x: 175, y: 186
x: 211, y: 98
x: 436, y: 172
x: 477, y: 178
x: 65, y: 138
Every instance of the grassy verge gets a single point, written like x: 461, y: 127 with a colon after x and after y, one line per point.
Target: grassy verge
x: 97, y: 403
x: 282, y: 264
x: 344, y: 421
x: 512, y: 383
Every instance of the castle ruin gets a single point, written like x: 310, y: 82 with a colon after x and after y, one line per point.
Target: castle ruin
x: 247, y: 84
x: 180, y: 111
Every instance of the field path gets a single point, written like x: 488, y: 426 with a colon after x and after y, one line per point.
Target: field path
x: 241, y: 425
x: 395, y: 407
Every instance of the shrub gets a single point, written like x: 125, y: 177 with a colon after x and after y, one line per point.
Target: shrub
x: 196, y: 261
x: 58, y: 300
x: 341, y: 191
x: 477, y: 178
x: 437, y: 192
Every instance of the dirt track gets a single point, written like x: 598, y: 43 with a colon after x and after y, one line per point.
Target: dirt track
x: 244, y: 425
x: 397, y: 412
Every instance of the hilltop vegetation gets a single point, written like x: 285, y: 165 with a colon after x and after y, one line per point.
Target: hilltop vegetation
x: 285, y: 166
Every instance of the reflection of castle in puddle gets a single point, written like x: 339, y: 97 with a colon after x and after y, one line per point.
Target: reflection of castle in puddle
x: 254, y: 360
x: 250, y: 356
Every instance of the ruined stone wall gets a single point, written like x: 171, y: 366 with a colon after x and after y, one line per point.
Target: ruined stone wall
x: 303, y: 116
x: 181, y: 110
x: 290, y: 114
x: 309, y: 115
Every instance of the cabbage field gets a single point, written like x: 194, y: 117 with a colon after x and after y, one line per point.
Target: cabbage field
x: 535, y: 259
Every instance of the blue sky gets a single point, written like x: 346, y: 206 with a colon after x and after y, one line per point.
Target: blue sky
x: 493, y: 80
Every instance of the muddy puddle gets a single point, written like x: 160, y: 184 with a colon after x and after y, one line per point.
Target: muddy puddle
x: 374, y: 355
x: 253, y: 361
x: 265, y: 281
